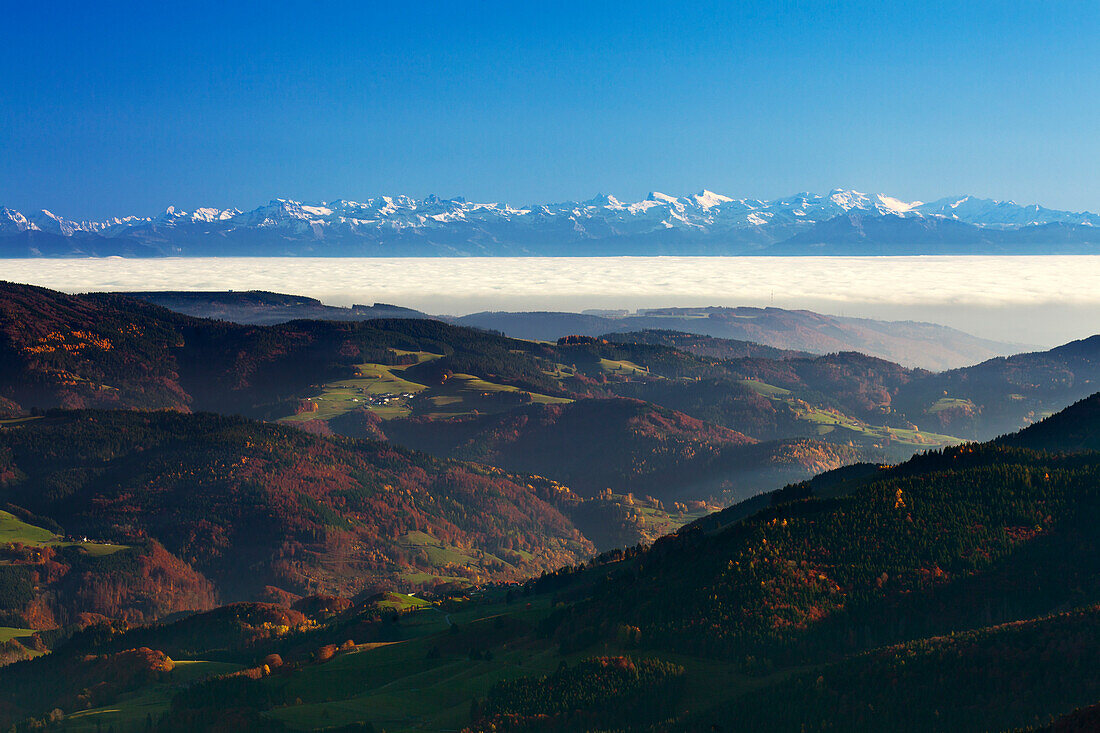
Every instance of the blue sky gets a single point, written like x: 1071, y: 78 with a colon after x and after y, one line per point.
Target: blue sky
x: 116, y: 108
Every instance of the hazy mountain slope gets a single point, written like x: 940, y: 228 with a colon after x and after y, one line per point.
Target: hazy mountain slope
x: 1005, y: 394
x: 625, y: 446
x: 1076, y: 428
x: 924, y: 345
x: 717, y: 348
x: 263, y: 308
x: 751, y: 331
x: 111, y: 351
x: 977, y: 402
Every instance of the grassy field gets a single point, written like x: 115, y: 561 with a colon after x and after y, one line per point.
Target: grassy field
x: 460, y: 394
x: 405, y: 687
x: 18, y: 420
x: 623, y: 366
x: 7, y: 633
x: 401, y: 602
x: 828, y: 421
x: 443, y: 556
x: 764, y: 388
x: 438, y: 553
x: 404, y: 690
x: 412, y: 578
x: 465, y: 394
x: 340, y: 397
x: 950, y: 403
x: 132, y: 711
x: 13, y: 529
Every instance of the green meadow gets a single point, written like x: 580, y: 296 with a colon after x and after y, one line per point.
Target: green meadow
x: 7, y: 633
x: 840, y: 427
x: 132, y: 711
x: 13, y: 530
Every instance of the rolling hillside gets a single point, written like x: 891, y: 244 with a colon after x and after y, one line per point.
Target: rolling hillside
x: 923, y: 345
x: 626, y: 446
x: 438, y: 386
x: 1002, y: 395
x: 968, y: 603
x: 249, y: 505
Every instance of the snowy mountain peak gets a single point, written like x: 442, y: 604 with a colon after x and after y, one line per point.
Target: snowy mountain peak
x: 460, y: 226
x: 706, y: 199
x: 602, y: 199
x: 896, y: 205
x: 1002, y: 214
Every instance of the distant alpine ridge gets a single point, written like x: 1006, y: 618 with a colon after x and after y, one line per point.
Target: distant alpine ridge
x: 842, y: 222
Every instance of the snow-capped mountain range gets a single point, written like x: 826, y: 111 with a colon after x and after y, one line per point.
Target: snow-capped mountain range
x: 839, y: 222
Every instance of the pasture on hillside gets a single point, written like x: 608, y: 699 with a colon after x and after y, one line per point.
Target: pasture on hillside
x: 14, y: 530
x: 389, y: 392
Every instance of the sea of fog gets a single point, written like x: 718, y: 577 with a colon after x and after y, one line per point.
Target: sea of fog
x: 1042, y: 300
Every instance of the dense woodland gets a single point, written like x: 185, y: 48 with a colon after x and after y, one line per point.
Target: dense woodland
x: 250, y: 505
x: 968, y: 603
x: 598, y: 691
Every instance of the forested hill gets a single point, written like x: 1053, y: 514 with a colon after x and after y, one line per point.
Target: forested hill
x: 958, y: 591
x: 100, y: 350
x: 1076, y: 428
x: 702, y: 345
x: 442, y: 387
x: 249, y: 505
x: 915, y: 344
x: 624, y: 445
x: 968, y: 537
x: 965, y: 536
x: 266, y: 308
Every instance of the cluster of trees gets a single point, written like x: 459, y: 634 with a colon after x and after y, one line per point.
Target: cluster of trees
x: 997, y: 678
x: 71, y: 681
x: 595, y: 692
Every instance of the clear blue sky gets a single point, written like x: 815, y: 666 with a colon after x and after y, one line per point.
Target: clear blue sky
x: 116, y: 108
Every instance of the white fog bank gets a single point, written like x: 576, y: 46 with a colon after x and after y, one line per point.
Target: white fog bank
x: 1035, y: 300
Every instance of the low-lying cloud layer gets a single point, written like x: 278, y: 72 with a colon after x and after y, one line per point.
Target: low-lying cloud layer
x: 1037, y: 300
